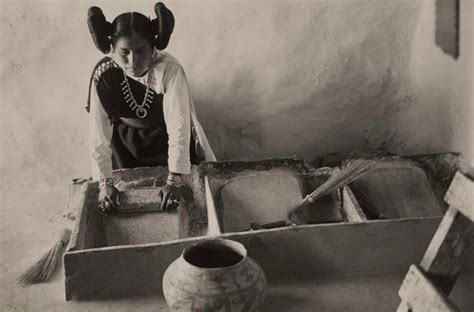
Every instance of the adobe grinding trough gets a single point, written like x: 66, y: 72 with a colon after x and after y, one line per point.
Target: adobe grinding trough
x: 294, y: 253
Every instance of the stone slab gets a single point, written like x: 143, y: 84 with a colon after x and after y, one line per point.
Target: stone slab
x: 398, y: 189
x: 140, y: 228
x: 140, y: 200
x: 262, y: 197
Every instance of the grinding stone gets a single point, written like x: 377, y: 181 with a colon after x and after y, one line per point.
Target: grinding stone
x: 140, y: 228
x: 399, y: 189
x: 261, y: 197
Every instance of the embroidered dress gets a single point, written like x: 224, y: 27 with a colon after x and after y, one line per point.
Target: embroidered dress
x: 163, y: 131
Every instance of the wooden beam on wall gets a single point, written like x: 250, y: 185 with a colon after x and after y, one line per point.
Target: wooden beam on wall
x: 447, y: 26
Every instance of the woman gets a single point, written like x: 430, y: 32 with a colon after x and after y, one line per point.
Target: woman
x: 141, y: 113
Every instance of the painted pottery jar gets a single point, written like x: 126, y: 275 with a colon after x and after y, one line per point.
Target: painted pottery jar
x: 214, y: 275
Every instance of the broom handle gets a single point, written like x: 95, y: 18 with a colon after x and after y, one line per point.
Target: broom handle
x: 64, y: 236
x: 270, y: 225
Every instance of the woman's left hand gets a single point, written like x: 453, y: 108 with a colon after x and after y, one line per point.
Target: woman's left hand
x: 170, y: 196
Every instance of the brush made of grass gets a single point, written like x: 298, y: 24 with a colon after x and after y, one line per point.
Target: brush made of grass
x: 43, y: 269
x: 351, y: 171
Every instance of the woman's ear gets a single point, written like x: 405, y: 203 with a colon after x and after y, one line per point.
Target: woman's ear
x: 163, y: 25
x: 100, y: 29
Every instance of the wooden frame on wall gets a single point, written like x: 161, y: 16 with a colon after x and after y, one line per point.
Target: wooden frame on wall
x: 447, y: 26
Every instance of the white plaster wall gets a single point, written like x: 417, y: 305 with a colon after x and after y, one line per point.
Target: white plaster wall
x: 269, y: 78
x: 442, y: 90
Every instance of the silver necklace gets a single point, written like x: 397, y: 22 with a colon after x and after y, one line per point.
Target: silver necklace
x: 140, y: 109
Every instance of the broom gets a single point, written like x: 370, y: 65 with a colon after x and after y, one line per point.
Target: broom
x: 352, y: 170
x: 43, y: 269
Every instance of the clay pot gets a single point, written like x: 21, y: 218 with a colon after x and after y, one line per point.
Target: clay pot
x: 215, y: 275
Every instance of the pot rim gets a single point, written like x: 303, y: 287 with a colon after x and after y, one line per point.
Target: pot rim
x: 231, y: 244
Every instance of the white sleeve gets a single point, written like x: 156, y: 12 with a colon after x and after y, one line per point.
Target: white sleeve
x: 100, y: 134
x: 177, y: 113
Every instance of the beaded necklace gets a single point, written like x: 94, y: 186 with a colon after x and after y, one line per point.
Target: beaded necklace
x: 140, y: 109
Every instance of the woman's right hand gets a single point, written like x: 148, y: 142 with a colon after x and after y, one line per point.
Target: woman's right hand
x: 108, y: 199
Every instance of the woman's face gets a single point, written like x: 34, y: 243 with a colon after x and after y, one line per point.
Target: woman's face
x: 133, y: 54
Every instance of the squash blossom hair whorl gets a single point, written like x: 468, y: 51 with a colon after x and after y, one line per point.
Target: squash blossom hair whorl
x: 99, y: 28
x: 157, y: 31
x: 163, y: 25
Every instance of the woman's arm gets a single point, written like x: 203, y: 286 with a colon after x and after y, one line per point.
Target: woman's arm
x: 176, y: 109
x: 100, y: 134
x: 177, y: 113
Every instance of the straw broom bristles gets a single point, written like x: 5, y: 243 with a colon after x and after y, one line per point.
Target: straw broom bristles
x: 352, y: 170
x: 43, y: 269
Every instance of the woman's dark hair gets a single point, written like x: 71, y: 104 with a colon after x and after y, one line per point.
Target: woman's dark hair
x: 132, y: 23
x: 157, y: 31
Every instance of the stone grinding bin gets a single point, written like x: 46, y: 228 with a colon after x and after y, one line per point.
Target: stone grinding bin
x: 133, y: 261
x: 263, y: 192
